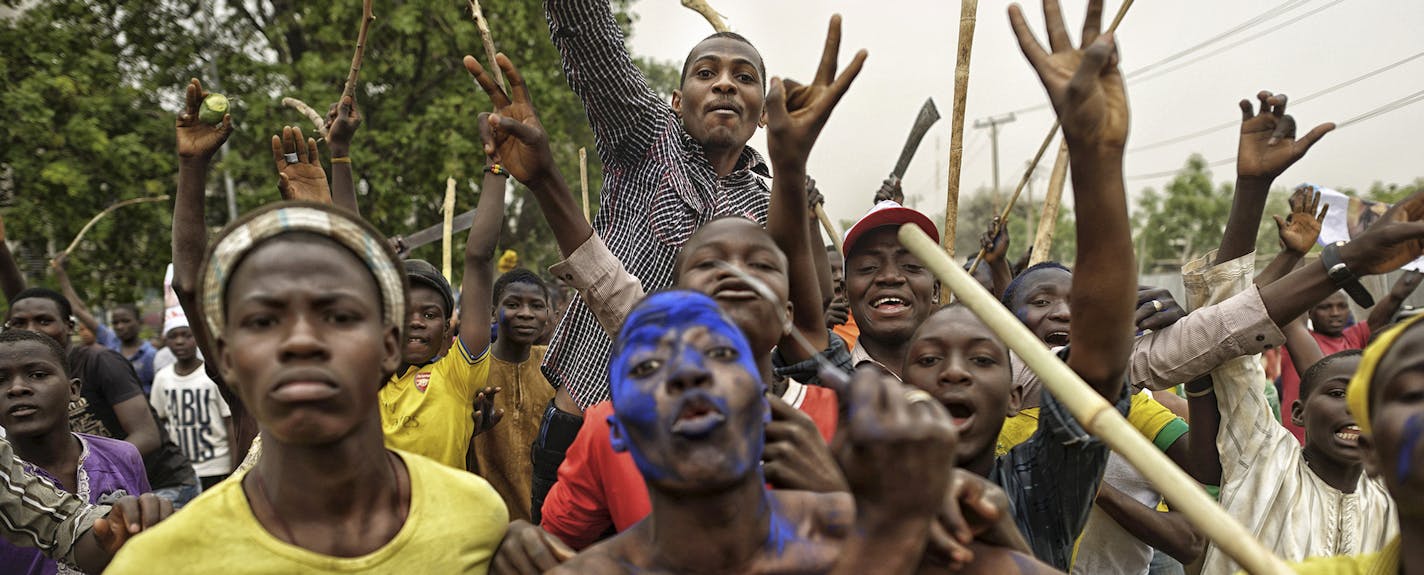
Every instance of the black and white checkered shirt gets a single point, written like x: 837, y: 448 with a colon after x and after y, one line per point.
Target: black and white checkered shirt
x: 658, y: 186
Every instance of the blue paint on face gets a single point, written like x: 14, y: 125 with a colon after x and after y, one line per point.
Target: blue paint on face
x: 781, y: 532
x: 1413, y: 433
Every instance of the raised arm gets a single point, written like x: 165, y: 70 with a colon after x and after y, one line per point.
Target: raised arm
x: 795, y: 116
x: 995, y: 244
x: 1298, y: 231
x: 1266, y: 148
x: 12, y: 282
x: 81, y: 311
x: 1304, y: 350
x: 1169, y: 531
x: 299, y: 173
x: 1087, y: 91
x: 342, y: 122
x: 1382, y: 314
x: 622, y: 109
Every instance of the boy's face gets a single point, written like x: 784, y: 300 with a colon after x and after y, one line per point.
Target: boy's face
x: 1330, y: 429
x: 744, y: 245
x: 890, y: 291
x: 180, y: 341
x: 688, y: 404
x: 126, y: 326
x: 40, y: 315
x: 522, y: 312
x: 304, y: 343
x: 1331, y: 316
x: 958, y: 360
x: 426, y: 329
x: 1043, y: 302
x: 34, y: 392
x: 1395, y: 449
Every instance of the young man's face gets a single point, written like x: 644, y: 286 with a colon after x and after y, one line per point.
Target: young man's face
x: 1395, y: 449
x: 305, y: 343
x: 40, y: 315
x: 34, y: 392
x: 837, y: 272
x: 744, y: 245
x: 890, y: 291
x: 180, y: 341
x: 688, y: 405
x: 426, y: 329
x: 960, y: 361
x: 1330, y: 429
x: 1330, y: 317
x: 126, y: 326
x: 1043, y: 302
x: 721, y: 100
x: 522, y: 312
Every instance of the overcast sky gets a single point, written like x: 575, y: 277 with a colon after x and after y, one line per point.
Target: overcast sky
x: 912, y: 46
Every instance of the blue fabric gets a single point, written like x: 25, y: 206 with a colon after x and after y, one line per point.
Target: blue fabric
x: 107, y: 338
x: 142, y: 360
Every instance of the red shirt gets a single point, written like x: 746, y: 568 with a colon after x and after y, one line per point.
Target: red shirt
x: 1354, y: 337
x: 599, y: 487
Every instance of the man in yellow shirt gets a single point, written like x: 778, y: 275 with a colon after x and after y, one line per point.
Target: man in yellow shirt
x: 429, y: 405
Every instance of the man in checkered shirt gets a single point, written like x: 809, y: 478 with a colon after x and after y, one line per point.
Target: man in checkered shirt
x: 667, y: 169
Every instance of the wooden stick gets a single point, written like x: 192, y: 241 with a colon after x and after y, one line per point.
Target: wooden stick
x: 830, y: 229
x: 1121, y: 12
x: 583, y: 181
x: 449, y: 210
x: 311, y: 114
x: 366, y: 17
x: 1094, y: 413
x: 713, y: 18
x: 480, y: 22
x: 105, y: 212
x: 968, y: 14
x: 1048, y: 220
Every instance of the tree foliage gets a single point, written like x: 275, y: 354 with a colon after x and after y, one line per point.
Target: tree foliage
x: 92, y: 87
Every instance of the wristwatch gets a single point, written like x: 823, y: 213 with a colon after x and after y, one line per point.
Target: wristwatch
x: 1343, y: 277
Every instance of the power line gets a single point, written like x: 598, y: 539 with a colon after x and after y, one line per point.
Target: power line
x: 1296, y: 101
x: 1381, y: 110
x: 1144, y: 74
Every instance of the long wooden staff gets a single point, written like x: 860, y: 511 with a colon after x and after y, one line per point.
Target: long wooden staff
x: 968, y: 14
x: 1004, y: 217
x: 488, y: 39
x: 1094, y: 413
x: 316, y: 119
x: 447, y: 229
x: 349, y: 91
x: 713, y: 18
x: 105, y: 212
x: 583, y: 181
x: 1048, y: 220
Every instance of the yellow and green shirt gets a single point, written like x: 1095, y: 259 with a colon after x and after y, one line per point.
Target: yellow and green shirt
x: 1150, y: 418
x: 429, y: 409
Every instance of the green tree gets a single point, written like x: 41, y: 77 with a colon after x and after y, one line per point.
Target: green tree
x: 1184, y: 220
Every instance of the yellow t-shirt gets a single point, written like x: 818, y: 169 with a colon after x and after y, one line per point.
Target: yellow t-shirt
x: 1383, y: 562
x: 456, y: 522
x: 1152, y: 419
x: 429, y: 409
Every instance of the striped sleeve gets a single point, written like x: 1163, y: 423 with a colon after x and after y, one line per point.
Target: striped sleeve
x: 35, y: 513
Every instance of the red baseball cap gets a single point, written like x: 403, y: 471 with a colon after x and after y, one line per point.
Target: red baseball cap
x: 887, y: 213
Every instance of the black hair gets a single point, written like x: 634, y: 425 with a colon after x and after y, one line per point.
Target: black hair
x: 1310, y: 379
x: 128, y: 307
x: 519, y: 276
x: 19, y: 335
x: 760, y: 64
x: 59, y: 300
x: 678, y: 257
x: 1009, y: 292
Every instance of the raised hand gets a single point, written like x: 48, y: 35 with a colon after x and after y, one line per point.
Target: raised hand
x: 517, y: 141
x: 890, y: 190
x: 486, y: 416
x: 1084, y: 84
x: 299, y: 167
x: 1156, y: 309
x: 1268, y: 144
x: 196, y: 139
x: 1301, y: 228
x: 342, y: 121
x: 796, y: 113
x: 995, y: 241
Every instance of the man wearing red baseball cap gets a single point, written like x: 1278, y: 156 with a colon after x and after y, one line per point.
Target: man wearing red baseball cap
x: 889, y: 289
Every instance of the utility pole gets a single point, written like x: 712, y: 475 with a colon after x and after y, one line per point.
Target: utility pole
x: 993, y: 123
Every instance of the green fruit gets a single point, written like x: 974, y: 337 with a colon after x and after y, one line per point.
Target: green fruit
x: 213, y: 109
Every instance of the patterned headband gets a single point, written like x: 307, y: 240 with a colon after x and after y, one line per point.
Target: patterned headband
x: 239, y: 238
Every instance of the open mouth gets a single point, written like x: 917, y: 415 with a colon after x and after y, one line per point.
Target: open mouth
x: 1056, y: 338
x: 724, y: 108
x: 890, y: 306
x: 697, y: 419
x: 961, y: 413
x: 1349, y: 434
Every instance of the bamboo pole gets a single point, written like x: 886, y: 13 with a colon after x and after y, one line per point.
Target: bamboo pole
x: 349, y: 91
x: 1094, y: 413
x: 449, y: 210
x: 713, y: 18
x: 968, y: 14
x: 1117, y: 19
x: 1048, y: 220
x: 101, y: 214
x: 830, y: 229
x: 305, y: 110
x: 583, y: 181
x: 480, y: 22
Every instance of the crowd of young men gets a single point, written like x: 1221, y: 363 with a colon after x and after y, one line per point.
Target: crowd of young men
x: 724, y: 393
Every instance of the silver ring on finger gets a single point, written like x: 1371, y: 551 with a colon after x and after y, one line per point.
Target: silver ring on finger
x: 290, y: 157
x: 1156, y: 306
